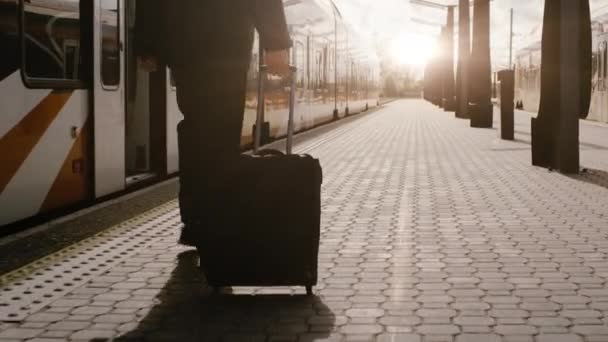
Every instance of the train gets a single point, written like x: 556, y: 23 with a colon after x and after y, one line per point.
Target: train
x: 528, y: 61
x: 80, y: 122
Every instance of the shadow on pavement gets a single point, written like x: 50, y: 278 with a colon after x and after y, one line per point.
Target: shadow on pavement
x: 186, y: 312
x: 583, y: 145
x: 592, y: 176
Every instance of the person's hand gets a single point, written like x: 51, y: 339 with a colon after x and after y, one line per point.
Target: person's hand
x: 278, y: 62
x: 148, y: 64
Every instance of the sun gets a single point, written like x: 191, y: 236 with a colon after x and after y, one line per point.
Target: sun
x: 412, y: 49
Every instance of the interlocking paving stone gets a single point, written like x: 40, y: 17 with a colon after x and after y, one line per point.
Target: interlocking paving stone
x: 431, y: 231
x: 558, y: 338
x: 399, y: 338
x: 19, y: 333
x: 478, y: 338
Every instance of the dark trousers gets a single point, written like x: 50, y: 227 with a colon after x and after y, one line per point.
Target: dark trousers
x: 213, y: 105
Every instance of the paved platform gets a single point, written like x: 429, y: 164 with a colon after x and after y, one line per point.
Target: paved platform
x: 432, y: 231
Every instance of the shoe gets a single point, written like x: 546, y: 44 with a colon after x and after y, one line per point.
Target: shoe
x: 188, y: 236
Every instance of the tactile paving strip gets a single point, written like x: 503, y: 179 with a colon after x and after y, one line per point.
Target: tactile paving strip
x: 31, y: 288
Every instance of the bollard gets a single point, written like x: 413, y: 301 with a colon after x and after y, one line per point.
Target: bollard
x: 507, y: 98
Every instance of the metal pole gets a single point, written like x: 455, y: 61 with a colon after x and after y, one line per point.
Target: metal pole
x: 511, y: 42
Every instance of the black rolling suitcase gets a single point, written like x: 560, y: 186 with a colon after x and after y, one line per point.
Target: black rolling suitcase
x: 265, y: 226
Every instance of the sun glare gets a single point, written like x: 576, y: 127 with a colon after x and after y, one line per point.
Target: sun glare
x: 412, y: 49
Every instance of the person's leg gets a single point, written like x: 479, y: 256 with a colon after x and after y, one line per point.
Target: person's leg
x: 190, y: 99
x: 209, y: 141
x: 186, y: 167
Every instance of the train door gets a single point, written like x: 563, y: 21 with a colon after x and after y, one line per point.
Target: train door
x: 108, y: 94
x: 145, y: 111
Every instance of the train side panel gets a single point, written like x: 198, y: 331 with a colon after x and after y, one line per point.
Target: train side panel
x: 45, y: 132
x: 44, y: 154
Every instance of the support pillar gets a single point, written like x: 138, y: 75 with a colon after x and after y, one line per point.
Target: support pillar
x: 430, y: 77
x: 464, y: 53
x: 565, y: 85
x: 449, y: 95
x: 441, y: 68
x: 480, y: 102
x: 437, y: 81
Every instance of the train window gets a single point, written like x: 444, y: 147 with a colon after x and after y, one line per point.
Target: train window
x: 594, y: 62
x: 9, y: 39
x: 110, y: 43
x: 9, y: 62
x: 172, y: 80
x: 51, y: 42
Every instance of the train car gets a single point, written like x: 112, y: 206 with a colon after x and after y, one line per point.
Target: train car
x: 527, y: 78
x: 528, y: 62
x: 599, y: 97
x: 325, y: 51
x: 81, y: 122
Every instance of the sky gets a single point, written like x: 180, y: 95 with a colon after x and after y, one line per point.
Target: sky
x: 390, y: 21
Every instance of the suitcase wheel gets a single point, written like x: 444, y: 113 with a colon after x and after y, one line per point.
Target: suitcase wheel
x: 309, y: 290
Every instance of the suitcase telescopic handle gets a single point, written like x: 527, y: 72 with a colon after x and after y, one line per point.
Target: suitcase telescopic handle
x: 259, y: 120
x: 260, y: 109
x: 292, y: 107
